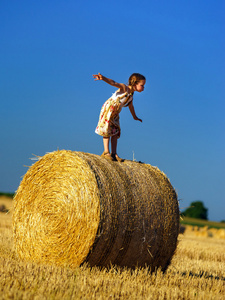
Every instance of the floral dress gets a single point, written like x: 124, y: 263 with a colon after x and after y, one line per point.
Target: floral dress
x: 109, y: 124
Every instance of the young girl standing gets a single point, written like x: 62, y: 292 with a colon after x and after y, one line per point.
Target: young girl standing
x: 108, y: 124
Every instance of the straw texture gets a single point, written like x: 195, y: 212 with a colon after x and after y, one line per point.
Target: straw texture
x: 75, y: 207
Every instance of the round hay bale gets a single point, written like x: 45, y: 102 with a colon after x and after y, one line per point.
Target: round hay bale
x: 220, y: 234
x: 74, y: 207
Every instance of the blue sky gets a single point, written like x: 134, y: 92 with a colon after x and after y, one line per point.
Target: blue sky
x: 48, y: 53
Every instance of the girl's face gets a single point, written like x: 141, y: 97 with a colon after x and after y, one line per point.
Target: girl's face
x: 139, y: 87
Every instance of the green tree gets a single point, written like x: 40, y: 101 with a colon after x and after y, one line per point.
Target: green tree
x: 197, y: 210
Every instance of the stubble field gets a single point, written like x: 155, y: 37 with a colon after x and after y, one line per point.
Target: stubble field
x: 197, y: 271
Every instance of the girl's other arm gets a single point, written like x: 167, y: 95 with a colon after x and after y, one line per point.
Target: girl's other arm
x: 120, y: 86
x: 131, y: 107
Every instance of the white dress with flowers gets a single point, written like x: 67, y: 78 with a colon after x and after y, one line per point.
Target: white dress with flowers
x: 108, y: 124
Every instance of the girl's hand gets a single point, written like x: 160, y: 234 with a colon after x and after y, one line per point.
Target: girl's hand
x: 97, y: 76
x: 137, y: 119
x: 131, y: 107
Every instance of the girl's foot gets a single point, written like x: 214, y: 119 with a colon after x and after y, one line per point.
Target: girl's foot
x: 116, y: 157
x: 107, y: 155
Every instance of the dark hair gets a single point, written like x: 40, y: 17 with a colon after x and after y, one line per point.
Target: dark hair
x: 135, y: 78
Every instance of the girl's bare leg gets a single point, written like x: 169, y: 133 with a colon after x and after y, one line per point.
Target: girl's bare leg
x: 114, y: 143
x: 114, y: 148
x: 106, y: 144
x: 106, y: 152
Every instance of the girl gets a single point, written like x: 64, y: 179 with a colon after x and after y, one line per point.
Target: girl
x: 108, y: 124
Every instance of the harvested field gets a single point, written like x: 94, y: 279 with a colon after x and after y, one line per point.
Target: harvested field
x: 196, y: 272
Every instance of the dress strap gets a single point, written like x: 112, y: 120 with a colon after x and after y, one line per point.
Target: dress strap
x: 129, y: 99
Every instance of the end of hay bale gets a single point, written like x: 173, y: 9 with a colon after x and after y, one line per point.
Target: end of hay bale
x: 56, y: 216
x: 74, y: 207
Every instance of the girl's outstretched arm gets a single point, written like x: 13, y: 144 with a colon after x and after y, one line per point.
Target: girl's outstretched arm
x: 120, y: 86
x: 131, y: 107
